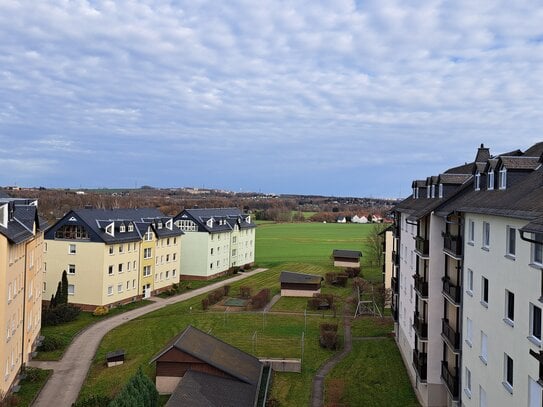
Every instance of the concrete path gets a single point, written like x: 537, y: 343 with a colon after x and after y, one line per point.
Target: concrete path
x: 69, y: 373
x: 317, y: 391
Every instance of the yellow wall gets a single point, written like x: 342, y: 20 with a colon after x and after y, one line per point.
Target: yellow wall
x: 165, y: 252
x: 145, y: 244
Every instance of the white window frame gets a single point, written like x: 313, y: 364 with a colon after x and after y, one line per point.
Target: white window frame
x: 120, y: 288
x: 490, y: 181
x: 484, y: 301
x: 72, y: 248
x: 146, y: 271
x: 503, y: 178
x: 469, y: 288
x: 471, y: 231
x: 440, y: 191
x: 72, y: 290
x: 109, y: 290
x: 467, y: 382
x: 534, y: 339
x: 469, y: 332
x: 70, y: 268
x: 147, y: 253
x: 508, y: 385
x: 536, y: 254
x: 477, y: 181
x: 486, y: 235
x: 511, y: 250
x: 484, y: 348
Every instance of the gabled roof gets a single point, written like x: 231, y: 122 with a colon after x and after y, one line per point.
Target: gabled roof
x: 299, y: 278
x: 198, y: 389
x: 535, y: 151
x: 216, y: 353
x: 455, y: 179
x: 221, y: 219
x: 519, y: 163
x: 22, y: 216
x: 352, y: 254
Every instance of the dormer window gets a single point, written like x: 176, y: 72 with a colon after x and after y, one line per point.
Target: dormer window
x: 477, y: 181
x: 4, y: 216
x: 109, y: 229
x: 159, y: 225
x: 433, y: 191
x: 440, y: 192
x: 248, y: 219
x: 122, y: 228
x: 490, y: 184
x: 427, y: 192
x: 169, y: 224
x: 503, y: 178
x: 209, y: 223
x: 130, y: 227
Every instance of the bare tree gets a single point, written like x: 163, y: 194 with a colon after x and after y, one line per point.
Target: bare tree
x: 376, y: 240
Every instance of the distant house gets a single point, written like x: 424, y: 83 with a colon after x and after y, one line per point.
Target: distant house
x: 198, y: 369
x: 346, y: 258
x: 341, y: 219
x: 299, y: 284
x: 357, y: 219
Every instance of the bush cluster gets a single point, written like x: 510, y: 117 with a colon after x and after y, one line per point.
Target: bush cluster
x: 100, y: 310
x: 260, y: 300
x: 59, y: 315
x: 140, y: 391
x: 51, y: 343
x: 215, y: 296
x: 319, y: 299
x: 352, y: 272
x: 328, y: 336
x: 245, y: 292
x: 94, y: 400
x: 339, y: 279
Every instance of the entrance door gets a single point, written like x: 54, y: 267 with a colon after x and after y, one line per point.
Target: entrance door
x: 147, y: 291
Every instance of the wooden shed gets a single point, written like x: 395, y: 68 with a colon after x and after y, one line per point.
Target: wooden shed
x: 346, y: 258
x: 299, y: 284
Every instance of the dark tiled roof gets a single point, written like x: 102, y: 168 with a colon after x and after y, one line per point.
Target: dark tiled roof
x: 461, y: 169
x: 520, y: 163
x: 534, y: 151
x: 454, y: 179
x: 353, y: 254
x: 218, y: 354
x: 419, y: 183
x: 224, y: 219
x: 535, y: 226
x: 22, y: 216
x: 483, y: 154
x: 299, y: 278
x: 197, y: 389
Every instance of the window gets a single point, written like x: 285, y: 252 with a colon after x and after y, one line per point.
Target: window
x: 121, y: 248
x: 133, y: 284
x: 111, y: 249
x: 503, y: 178
x: 433, y: 191
x: 440, y: 192
x: 71, y: 249
x: 168, y: 241
x: 130, y: 227
x: 148, y: 235
x: 110, y: 270
x: 146, y: 271
x: 486, y: 235
x: 470, y: 282
x: 71, y: 289
x: 537, y: 249
x: 119, y: 288
x: 212, y: 250
x: 71, y: 268
x: 44, y: 286
x: 210, y: 265
x: 508, y: 372
x: 471, y: 231
x: 174, y: 240
x: 174, y: 256
x: 534, y: 393
x: 509, y: 307
x: 167, y: 274
x: 173, y: 272
x: 469, y: 332
x: 482, y: 397
x: 122, y: 229
x: 484, y: 348
x: 490, y: 184
x: 110, y: 290
x: 467, y: 382
x: 134, y: 265
x: 484, y: 291
x: 120, y: 267
x: 511, y: 242
x: 535, y: 324
x: 477, y: 181
x: 147, y: 253
x: 128, y: 266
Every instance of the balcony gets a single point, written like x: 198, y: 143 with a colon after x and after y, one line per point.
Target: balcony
x: 452, y: 244
x: 395, y: 258
x: 395, y: 311
x: 450, y: 335
x: 421, y: 327
x: 422, y: 246
x: 421, y: 286
x: 451, y: 291
x: 450, y: 379
x: 420, y: 363
x: 394, y: 285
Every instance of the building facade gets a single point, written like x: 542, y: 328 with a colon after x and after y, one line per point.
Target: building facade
x: 478, y: 253
x: 215, y: 241
x: 21, y: 273
x: 112, y: 256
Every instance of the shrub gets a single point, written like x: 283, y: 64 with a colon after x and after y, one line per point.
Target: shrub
x: 261, y: 299
x: 100, y: 310
x: 247, y: 267
x: 93, y: 400
x: 60, y: 314
x: 175, y: 287
x: 51, y: 343
x: 139, y: 391
x: 245, y: 292
x: 341, y: 279
x: 353, y: 272
x: 328, y: 327
x: 330, y: 278
x: 328, y: 336
x: 226, y: 289
x: 32, y: 374
x: 205, y: 303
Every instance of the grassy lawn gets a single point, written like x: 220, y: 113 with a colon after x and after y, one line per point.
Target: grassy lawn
x: 31, y: 385
x: 312, y: 243
x: 276, y: 336
x: 373, y: 374
x: 372, y: 326
x: 66, y: 332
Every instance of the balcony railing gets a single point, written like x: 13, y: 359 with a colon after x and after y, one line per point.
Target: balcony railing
x: 450, y: 335
x: 450, y: 379
x: 421, y: 286
x: 420, y: 326
x: 453, y: 244
x: 452, y: 291
x: 420, y: 363
x: 422, y: 246
x: 394, y: 285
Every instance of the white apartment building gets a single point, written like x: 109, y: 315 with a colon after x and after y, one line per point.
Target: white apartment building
x: 479, y: 248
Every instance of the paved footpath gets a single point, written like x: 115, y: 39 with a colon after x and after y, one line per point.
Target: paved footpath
x: 69, y: 373
x: 317, y: 391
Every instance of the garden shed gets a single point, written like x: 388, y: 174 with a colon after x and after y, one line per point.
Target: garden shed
x: 346, y: 258
x: 299, y: 284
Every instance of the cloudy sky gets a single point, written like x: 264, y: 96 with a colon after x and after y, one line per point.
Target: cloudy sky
x: 341, y: 97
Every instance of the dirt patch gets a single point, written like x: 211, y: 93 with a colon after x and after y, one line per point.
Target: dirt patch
x: 334, y: 393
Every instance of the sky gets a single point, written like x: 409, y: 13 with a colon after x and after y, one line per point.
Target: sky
x: 345, y: 98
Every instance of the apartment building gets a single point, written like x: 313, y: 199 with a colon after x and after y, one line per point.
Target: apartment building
x: 21, y: 273
x: 215, y: 240
x: 112, y: 256
x: 477, y: 289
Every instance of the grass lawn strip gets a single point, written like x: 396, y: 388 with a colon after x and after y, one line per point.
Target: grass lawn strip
x: 31, y: 386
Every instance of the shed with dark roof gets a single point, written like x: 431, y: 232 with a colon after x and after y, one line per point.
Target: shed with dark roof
x: 299, y: 284
x: 198, y: 369
x: 346, y: 258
